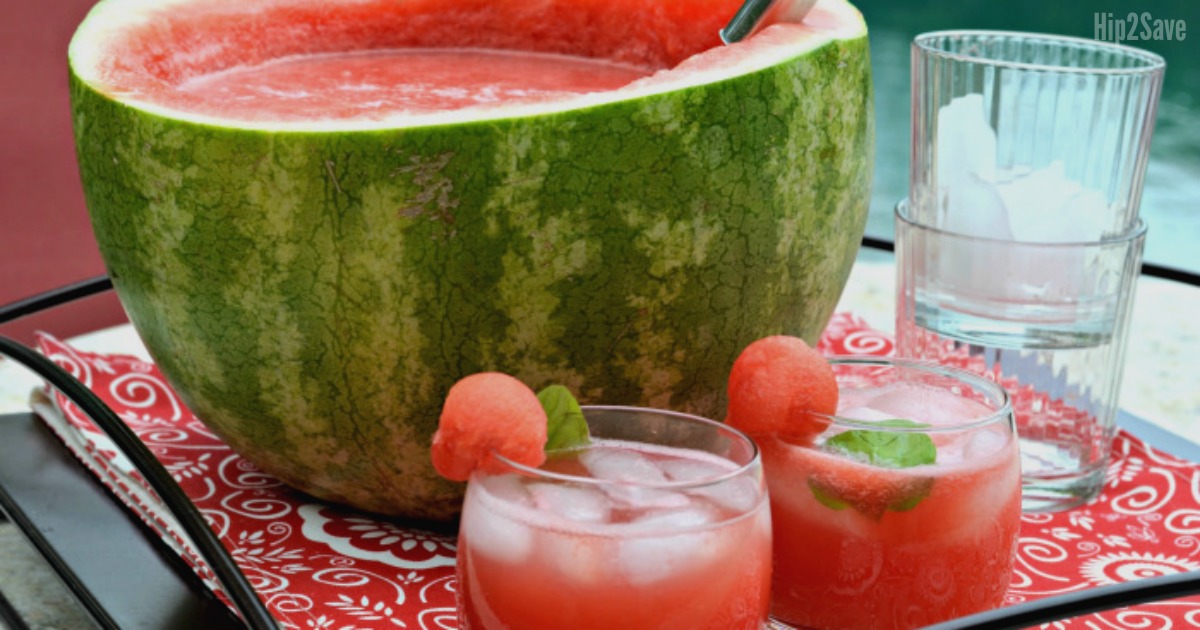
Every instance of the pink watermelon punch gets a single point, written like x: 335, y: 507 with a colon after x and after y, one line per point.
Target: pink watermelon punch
x: 662, y: 521
x: 904, y: 511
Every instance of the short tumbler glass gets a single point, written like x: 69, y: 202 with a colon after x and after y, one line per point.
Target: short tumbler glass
x: 904, y: 512
x: 1048, y: 321
x: 662, y: 522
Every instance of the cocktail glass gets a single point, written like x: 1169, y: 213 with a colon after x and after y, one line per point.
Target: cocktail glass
x: 662, y: 522
x: 905, y: 510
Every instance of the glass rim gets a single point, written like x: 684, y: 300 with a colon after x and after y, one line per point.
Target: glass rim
x: 1003, y: 413
x: 1154, y: 64
x: 1136, y: 233
x: 740, y: 470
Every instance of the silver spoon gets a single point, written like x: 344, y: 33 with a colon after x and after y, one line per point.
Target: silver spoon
x: 755, y: 14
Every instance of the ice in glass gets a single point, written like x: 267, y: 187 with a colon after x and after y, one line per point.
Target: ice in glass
x: 904, y: 511
x: 661, y: 522
x: 1019, y: 249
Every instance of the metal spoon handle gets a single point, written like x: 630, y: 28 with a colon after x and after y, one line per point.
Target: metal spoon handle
x: 755, y: 14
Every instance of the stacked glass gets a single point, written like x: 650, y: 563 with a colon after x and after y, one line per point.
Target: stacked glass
x: 1020, y: 244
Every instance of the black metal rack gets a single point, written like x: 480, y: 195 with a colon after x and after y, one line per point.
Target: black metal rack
x: 253, y: 612
x: 130, y: 580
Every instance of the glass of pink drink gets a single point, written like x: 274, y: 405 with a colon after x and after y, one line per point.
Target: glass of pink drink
x: 662, y: 522
x: 905, y: 510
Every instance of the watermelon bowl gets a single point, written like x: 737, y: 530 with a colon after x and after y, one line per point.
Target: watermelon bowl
x: 312, y: 271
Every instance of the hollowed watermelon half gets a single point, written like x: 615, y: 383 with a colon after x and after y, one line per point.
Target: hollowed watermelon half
x: 313, y: 267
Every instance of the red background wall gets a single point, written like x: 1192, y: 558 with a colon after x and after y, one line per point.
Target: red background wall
x: 45, y: 237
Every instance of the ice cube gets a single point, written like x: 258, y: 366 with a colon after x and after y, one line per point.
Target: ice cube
x: 489, y: 528
x: 966, y: 164
x: 639, y: 498
x: 927, y: 405
x: 970, y: 207
x: 908, y: 402
x: 1046, y: 206
x: 508, y: 488
x: 739, y: 494
x: 985, y: 443
x: 579, y: 504
x: 628, y: 469
x: 974, y: 207
x: 621, y: 465
x: 1091, y: 215
x: 666, y: 543
x: 691, y: 469
x: 966, y: 142
x: 1021, y: 204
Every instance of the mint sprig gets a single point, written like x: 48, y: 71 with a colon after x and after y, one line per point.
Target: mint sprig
x: 565, y: 425
x: 914, y: 493
x: 886, y: 449
x: 826, y: 495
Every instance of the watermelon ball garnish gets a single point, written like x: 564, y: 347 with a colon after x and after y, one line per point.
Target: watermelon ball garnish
x: 486, y: 414
x: 780, y: 386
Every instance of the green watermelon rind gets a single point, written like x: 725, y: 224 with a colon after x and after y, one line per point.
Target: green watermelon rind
x: 312, y: 295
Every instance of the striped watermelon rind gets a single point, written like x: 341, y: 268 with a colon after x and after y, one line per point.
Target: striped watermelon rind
x: 312, y: 292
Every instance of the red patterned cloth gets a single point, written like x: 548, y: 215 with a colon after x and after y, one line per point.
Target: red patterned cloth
x: 329, y: 568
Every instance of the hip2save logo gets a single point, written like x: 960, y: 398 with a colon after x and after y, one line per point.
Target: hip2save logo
x: 1136, y: 27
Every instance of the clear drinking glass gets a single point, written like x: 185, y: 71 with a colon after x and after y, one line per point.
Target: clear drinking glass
x: 663, y: 522
x: 1048, y: 321
x: 1051, y: 133
x: 1020, y: 244
x: 905, y: 510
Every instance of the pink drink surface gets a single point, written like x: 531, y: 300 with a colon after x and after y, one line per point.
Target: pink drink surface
x: 878, y: 563
x: 374, y: 84
x: 538, y: 554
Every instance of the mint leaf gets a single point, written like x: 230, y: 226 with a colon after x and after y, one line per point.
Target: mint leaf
x: 825, y: 496
x: 565, y: 425
x: 888, y: 449
x: 912, y: 495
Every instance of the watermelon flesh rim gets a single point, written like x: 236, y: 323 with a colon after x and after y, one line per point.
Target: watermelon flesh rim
x: 377, y: 83
x: 139, y: 52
